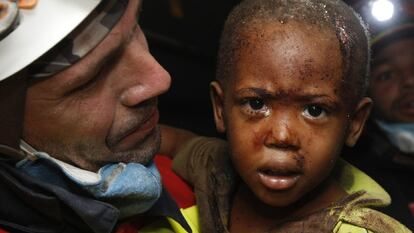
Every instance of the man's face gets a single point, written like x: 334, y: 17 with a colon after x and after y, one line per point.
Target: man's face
x: 104, y: 108
x: 285, y: 119
x: 392, y: 82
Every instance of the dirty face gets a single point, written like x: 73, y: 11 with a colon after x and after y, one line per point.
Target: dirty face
x: 393, y: 74
x: 104, y: 108
x: 285, y: 119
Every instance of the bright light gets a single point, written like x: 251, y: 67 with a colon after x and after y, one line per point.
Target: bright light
x: 382, y: 10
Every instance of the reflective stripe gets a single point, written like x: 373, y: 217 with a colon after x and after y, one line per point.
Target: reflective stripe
x: 343, y: 227
x: 191, y: 216
x: 171, y: 226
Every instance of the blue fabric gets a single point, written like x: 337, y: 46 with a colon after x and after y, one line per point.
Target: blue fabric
x: 133, y: 188
x: 401, y: 135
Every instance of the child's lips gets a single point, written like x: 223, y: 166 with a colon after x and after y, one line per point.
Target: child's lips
x: 279, y: 180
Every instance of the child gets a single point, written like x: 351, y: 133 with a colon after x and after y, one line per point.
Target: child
x: 290, y: 92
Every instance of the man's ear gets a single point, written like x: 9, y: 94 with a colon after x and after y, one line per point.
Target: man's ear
x: 217, y: 99
x: 358, y: 121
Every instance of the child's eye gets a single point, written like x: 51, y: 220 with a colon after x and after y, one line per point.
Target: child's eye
x: 255, y: 107
x: 314, y: 111
x: 256, y: 104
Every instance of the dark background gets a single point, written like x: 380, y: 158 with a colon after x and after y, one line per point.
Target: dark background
x: 183, y: 36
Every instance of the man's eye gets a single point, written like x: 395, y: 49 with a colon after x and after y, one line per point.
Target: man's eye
x: 385, y: 76
x: 314, y: 111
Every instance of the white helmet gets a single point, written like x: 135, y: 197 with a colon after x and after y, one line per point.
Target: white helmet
x: 38, y: 30
x: 40, y: 42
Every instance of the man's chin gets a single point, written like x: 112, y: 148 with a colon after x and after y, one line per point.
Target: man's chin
x: 143, y: 152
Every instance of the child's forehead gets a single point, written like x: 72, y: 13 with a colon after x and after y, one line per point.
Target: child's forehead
x: 291, y: 57
x: 277, y: 30
x: 291, y: 46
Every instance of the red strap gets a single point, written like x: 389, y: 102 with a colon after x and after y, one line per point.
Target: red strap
x: 177, y: 187
x: 133, y: 225
x: 3, y: 231
x: 127, y: 227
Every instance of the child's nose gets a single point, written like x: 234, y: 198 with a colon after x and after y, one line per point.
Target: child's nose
x: 282, y: 136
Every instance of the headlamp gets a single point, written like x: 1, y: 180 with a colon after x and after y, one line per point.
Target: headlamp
x: 387, y: 18
x: 382, y: 10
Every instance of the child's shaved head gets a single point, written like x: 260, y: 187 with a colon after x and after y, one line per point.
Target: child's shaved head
x: 327, y: 15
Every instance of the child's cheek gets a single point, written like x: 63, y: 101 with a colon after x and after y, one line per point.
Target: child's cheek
x: 258, y: 138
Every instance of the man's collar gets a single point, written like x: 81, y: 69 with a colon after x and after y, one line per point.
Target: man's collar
x: 41, y: 192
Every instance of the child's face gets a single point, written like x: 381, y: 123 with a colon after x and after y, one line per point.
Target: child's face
x: 393, y: 73
x: 283, y: 112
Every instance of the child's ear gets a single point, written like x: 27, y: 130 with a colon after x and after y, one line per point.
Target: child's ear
x: 358, y: 121
x: 217, y: 99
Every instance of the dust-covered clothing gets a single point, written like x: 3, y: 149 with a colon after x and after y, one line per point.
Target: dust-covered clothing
x: 205, y: 164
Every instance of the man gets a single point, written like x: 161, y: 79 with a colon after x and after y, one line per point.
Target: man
x: 386, y: 151
x: 78, y: 127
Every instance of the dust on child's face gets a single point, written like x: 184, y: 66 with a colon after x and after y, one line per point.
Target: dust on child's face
x: 285, y: 118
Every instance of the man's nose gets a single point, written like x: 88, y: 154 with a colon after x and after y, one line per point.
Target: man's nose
x: 283, y: 135
x: 148, y: 80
